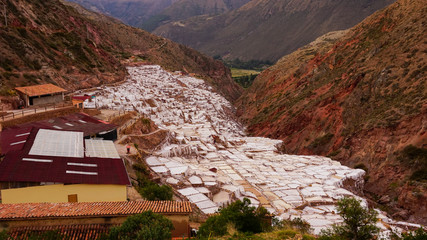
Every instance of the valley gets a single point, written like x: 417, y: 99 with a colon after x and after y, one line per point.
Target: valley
x: 341, y: 113
x: 210, y: 161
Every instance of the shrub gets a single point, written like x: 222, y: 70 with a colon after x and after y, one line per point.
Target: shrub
x: 296, y: 223
x: 148, y: 225
x: 416, y: 159
x: 139, y: 167
x: 154, y: 192
x: 149, y: 189
x: 288, y: 233
x: 214, y: 226
x: 419, y: 234
x: 361, y: 166
x: 4, y: 235
x: 359, y: 222
x: 145, y: 121
x: 244, y: 218
x: 307, y: 237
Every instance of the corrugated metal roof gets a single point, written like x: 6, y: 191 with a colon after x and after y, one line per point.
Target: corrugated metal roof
x: 58, y: 144
x: 20, y: 166
x: 100, y: 148
x: 89, y: 209
x: 74, y: 122
x: 39, y: 90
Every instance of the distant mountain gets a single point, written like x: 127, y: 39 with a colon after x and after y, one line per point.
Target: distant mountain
x: 184, y: 9
x: 267, y: 29
x: 131, y: 12
x: 361, y: 99
x: 49, y: 42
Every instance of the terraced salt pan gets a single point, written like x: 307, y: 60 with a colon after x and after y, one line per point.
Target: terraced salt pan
x: 215, y: 172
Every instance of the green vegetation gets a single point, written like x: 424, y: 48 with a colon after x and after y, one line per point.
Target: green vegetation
x: 416, y: 159
x: 359, y: 222
x: 236, y: 72
x: 321, y: 141
x: 149, y: 189
x: 30, y: 77
x: 419, y: 234
x: 238, y: 215
x: 154, y: 192
x: 147, y: 225
x: 145, y: 121
x: 6, y: 64
x: 285, y: 229
x: 153, y: 22
x: 245, y: 81
x: 296, y: 224
x: 250, y: 65
x: 361, y: 166
x: 244, y: 77
x: 3, y: 235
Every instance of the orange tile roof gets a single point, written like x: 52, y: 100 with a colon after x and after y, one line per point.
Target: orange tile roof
x: 38, y: 90
x: 89, y: 209
x: 70, y: 232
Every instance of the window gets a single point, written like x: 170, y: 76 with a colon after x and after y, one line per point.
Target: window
x: 72, y: 198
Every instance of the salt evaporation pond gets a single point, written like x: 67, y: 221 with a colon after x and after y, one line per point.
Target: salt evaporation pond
x: 214, y: 163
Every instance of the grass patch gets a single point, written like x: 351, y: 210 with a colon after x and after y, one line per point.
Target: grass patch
x: 237, y: 72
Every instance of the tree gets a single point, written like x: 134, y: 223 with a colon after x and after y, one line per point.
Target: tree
x: 147, y: 226
x: 243, y: 217
x: 359, y: 222
x: 149, y: 189
x: 154, y: 192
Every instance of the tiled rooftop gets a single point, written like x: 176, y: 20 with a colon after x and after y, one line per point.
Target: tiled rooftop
x: 38, y: 90
x: 89, y: 209
x: 71, y: 232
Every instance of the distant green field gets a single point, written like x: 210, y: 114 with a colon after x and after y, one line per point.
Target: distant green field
x: 235, y: 72
x: 244, y: 77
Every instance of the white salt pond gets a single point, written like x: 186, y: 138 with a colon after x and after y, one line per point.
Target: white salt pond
x: 214, y: 163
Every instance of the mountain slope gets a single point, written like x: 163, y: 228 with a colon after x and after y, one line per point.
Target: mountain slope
x: 132, y: 12
x: 184, y: 9
x: 268, y: 29
x: 46, y: 41
x: 362, y: 101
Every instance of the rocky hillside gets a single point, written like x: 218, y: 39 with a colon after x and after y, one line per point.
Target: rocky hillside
x: 131, y: 12
x: 47, y: 41
x: 362, y: 101
x: 268, y: 29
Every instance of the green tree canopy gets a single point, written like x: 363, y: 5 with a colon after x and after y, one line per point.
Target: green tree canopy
x: 147, y: 226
